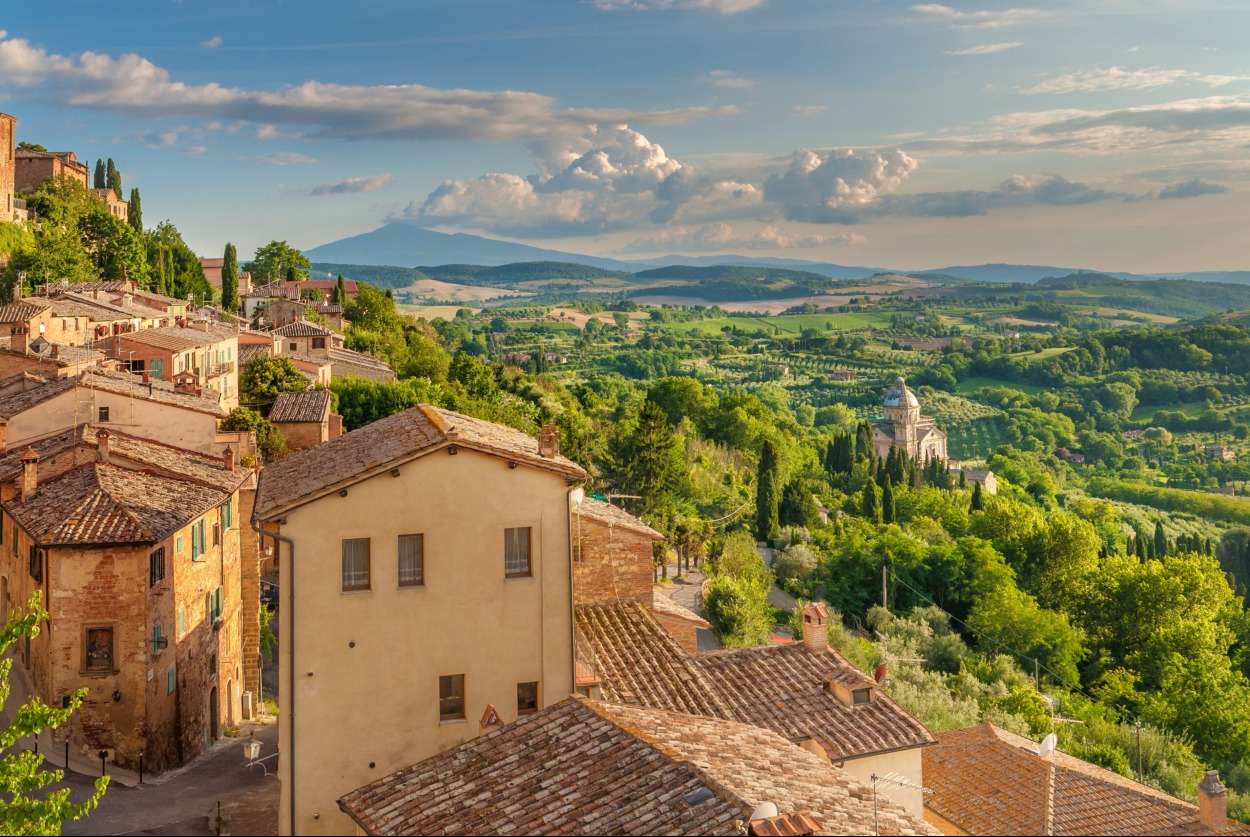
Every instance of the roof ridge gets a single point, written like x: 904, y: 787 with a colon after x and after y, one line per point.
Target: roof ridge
x: 432, y: 414
x: 121, y: 505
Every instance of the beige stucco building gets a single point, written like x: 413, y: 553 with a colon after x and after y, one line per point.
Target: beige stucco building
x: 904, y: 428
x: 426, y: 588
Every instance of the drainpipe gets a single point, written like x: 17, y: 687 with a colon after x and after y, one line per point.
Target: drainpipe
x: 568, y: 506
x: 289, y: 585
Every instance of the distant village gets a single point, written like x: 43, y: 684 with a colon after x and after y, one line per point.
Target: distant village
x: 470, y: 643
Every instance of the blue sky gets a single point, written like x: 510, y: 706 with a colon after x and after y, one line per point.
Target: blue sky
x: 1110, y: 134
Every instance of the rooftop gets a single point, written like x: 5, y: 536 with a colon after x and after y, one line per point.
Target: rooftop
x: 175, y: 338
x: 611, y: 515
x: 302, y: 328
x: 986, y: 780
x: 107, y: 380
x: 19, y: 312
x: 607, y: 769
x: 306, y: 474
x: 311, y: 405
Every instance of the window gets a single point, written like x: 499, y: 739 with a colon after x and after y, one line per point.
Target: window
x: 411, y: 560
x: 355, y: 564
x: 156, y: 567
x: 527, y: 698
x: 36, y: 564
x: 227, y: 514
x: 182, y: 622
x: 104, y: 414
x: 215, y: 605
x: 178, y: 544
x: 318, y: 342
x: 294, y: 346
x: 216, y: 534
x: 451, y: 697
x: 157, y: 635
x: 861, y: 697
x: 516, y: 560
x: 169, y: 682
x: 198, y: 546
x: 99, y: 650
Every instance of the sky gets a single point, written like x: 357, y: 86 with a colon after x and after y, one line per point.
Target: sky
x: 1104, y: 134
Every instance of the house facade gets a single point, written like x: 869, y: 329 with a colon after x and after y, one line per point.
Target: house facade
x: 425, y: 565
x: 904, y: 428
x: 207, y: 354
x: 305, y: 419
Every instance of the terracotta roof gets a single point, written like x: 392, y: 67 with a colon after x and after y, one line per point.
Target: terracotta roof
x: 120, y: 383
x: 610, y: 515
x: 302, y: 328
x: 312, y: 405
x: 585, y: 767
x: 986, y: 780
x: 661, y: 603
x: 96, y: 310
x: 20, y: 402
x: 19, y: 312
x: 388, y: 442
x: 57, y: 354
x: 103, y: 504
x: 173, y: 338
x: 782, y: 688
x: 640, y: 664
x: 249, y: 351
x: 344, y: 359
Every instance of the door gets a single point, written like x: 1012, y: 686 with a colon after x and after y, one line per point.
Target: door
x: 212, y: 715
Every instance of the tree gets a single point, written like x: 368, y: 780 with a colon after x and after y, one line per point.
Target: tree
x: 868, y: 503
x: 652, y: 462
x: 31, y: 146
x: 22, y: 811
x: 978, y: 502
x: 1161, y: 540
x: 268, y: 438
x: 767, y: 492
x: 99, y: 181
x: 230, y: 279
x: 340, y: 292
x: 887, y: 501
x: 111, y: 176
x: 277, y: 260
x: 265, y: 376
x: 134, y: 211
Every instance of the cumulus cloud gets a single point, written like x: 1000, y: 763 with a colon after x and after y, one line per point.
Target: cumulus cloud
x: 370, y: 183
x: 282, y: 158
x: 1191, y: 189
x: 985, y: 49
x: 982, y: 19
x: 1117, y: 78
x: 726, y: 78
x: 727, y: 7
x: 722, y: 236
x: 835, y: 186
x: 212, y: 43
x: 133, y: 86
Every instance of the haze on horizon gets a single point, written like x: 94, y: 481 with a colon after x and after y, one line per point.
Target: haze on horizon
x: 1109, y: 134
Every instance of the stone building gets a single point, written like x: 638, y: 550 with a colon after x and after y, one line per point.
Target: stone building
x: 208, y: 354
x: 34, y: 168
x: 117, y: 206
x: 135, y: 548
x: 8, y: 165
x: 305, y: 418
x: 903, y: 427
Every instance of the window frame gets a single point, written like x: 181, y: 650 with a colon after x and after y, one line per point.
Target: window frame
x: 528, y: 708
x: 451, y: 681
x: 156, y: 566
x: 529, y: 552
x: 102, y: 415
x: 87, y: 667
x: 420, y: 540
x: 35, y: 561
x: 357, y: 588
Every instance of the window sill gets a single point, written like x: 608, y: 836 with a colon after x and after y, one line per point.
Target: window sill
x: 526, y: 577
x: 420, y: 586
x: 356, y: 590
x: 99, y: 672
x: 442, y: 721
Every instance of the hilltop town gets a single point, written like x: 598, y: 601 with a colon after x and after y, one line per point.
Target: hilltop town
x: 544, y: 548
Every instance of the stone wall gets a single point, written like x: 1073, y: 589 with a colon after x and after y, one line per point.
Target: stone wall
x: 8, y: 133
x: 249, y: 566
x: 684, y: 631
x: 301, y: 435
x: 614, y: 565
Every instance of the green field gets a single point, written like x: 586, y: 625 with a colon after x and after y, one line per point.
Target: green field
x: 975, y: 439
x: 971, y: 385
x: 785, y: 323
x: 1192, y: 409
x: 1044, y: 354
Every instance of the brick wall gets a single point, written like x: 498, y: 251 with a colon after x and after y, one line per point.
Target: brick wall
x: 249, y: 566
x: 686, y: 633
x: 8, y: 131
x: 615, y: 564
x: 301, y: 435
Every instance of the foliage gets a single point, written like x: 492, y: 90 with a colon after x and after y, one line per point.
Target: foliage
x: 265, y: 376
x: 268, y: 438
x: 230, y: 279
x: 278, y: 260
x: 24, y: 810
x: 767, y: 492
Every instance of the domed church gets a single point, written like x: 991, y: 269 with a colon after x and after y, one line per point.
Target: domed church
x: 904, y: 427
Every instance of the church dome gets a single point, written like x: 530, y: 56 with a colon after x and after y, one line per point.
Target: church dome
x: 900, y: 396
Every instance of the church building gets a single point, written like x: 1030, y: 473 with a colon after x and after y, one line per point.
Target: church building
x: 903, y: 427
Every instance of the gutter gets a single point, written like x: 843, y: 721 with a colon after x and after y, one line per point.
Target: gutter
x: 289, y: 585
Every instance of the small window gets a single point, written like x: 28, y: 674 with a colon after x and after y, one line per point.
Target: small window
x: 861, y: 697
x: 14, y: 540
x: 216, y: 534
x: 411, y: 560
x: 169, y: 682
x: 36, y: 564
x: 156, y: 567
x: 215, y: 605
x: 517, y: 552
x: 178, y: 545
x: 104, y: 414
x: 294, y: 346
x: 197, y: 540
x: 99, y: 650
x: 318, y: 342
x: 157, y: 636
x: 451, y: 697
x: 227, y: 514
x: 527, y: 698
x: 355, y: 564
x: 182, y: 622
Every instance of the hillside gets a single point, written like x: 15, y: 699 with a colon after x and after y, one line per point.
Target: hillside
x: 383, y: 276
x: 507, y: 274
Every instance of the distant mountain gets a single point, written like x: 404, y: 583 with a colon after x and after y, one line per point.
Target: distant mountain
x: 833, y: 271
x: 407, y: 245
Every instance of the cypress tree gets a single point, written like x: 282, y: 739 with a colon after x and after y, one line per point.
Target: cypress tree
x: 868, y: 502
x: 115, y: 183
x: 767, y: 492
x: 978, y: 502
x: 111, y: 175
x: 1161, y: 540
x: 134, y: 212
x: 963, y: 480
x: 887, y: 501
x: 340, y: 292
x: 98, y: 182
x: 863, y: 441
x: 230, y: 279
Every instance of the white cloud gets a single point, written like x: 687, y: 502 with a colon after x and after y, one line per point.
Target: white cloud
x: 727, y: 7
x: 979, y: 19
x: 282, y: 158
x: 833, y: 186
x: 1117, y: 78
x: 810, y: 110
x: 985, y: 49
x: 213, y: 42
x: 133, y: 86
x: 354, y: 184
x: 726, y: 78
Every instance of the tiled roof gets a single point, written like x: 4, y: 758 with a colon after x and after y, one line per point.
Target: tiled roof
x: 103, y: 504
x: 55, y: 288
x: 989, y: 781
x: 172, y: 338
x: 610, y: 515
x: 120, y: 383
x: 96, y: 310
x: 57, y: 354
x: 640, y: 664
x: 347, y: 358
x: 115, y: 304
x: 311, y: 405
x: 249, y: 351
x: 386, y: 443
x: 302, y: 328
x: 20, y: 402
x: 665, y: 605
x: 782, y: 688
x: 585, y: 767
x: 19, y: 312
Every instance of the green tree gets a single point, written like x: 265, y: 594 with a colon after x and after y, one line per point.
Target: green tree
x: 1161, y: 540
x: 112, y: 178
x: 31, y: 146
x: 134, y: 211
x: 268, y: 438
x: 767, y: 492
x: 978, y: 502
x: 887, y: 501
x: 264, y: 376
x: 340, y: 292
x: 869, y: 506
x: 23, y: 810
x: 276, y: 260
x: 649, y: 461
x: 99, y: 181
x: 230, y: 279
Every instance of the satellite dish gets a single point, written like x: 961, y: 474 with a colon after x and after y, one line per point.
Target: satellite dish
x: 765, y: 810
x: 881, y: 672
x: 1048, y: 745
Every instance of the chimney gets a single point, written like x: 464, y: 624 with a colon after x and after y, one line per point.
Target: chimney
x: 227, y: 459
x: 147, y: 378
x: 1212, y: 802
x: 816, y: 627
x: 20, y: 338
x: 102, y: 446
x: 30, y: 477
x: 549, y: 441
x: 56, y: 351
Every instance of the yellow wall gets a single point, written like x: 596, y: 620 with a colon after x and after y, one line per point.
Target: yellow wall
x: 905, y: 763
x: 362, y: 712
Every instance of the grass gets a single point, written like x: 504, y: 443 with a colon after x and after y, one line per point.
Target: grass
x: 971, y: 385
x: 785, y: 323
x: 1044, y: 354
x: 1191, y: 409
